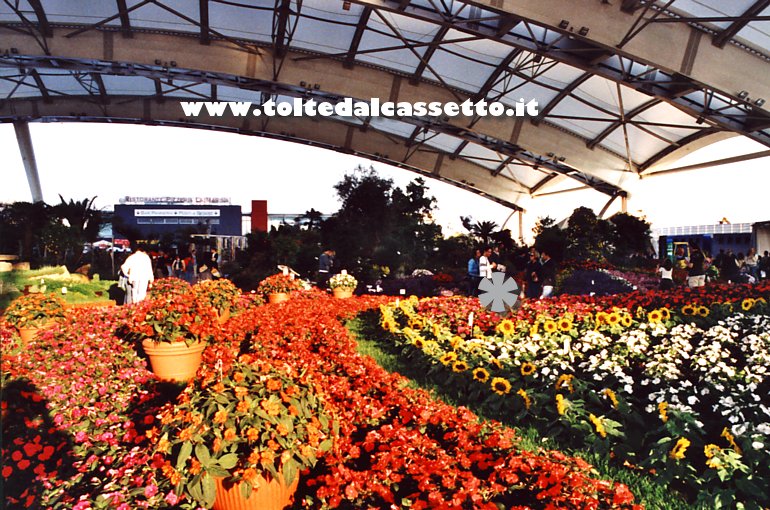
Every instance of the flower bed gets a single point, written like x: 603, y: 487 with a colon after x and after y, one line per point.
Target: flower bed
x: 674, y: 391
x: 81, y: 404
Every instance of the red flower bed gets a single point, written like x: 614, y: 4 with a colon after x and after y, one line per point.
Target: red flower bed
x: 82, y: 402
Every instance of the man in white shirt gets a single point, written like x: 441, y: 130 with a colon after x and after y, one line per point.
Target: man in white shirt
x: 485, y: 265
x: 138, y: 271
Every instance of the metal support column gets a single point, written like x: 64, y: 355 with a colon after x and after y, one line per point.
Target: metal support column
x: 28, y: 158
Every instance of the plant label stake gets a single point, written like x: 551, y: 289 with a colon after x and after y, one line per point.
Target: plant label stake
x: 470, y: 320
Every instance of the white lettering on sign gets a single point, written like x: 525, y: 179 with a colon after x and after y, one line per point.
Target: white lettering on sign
x: 197, y: 213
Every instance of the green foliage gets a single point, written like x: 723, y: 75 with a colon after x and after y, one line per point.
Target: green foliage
x: 550, y: 238
x: 632, y: 235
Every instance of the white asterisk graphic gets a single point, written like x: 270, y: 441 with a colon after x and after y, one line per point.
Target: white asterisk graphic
x: 498, y: 293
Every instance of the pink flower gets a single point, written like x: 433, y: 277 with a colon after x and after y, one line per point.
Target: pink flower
x: 80, y: 436
x: 123, y: 506
x: 172, y: 498
x: 150, y: 491
x: 82, y: 505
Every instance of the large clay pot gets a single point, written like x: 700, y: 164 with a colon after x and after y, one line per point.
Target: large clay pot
x: 278, y: 297
x: 28, y: 334
x: 342, y: 293
x: 272, y: 494
x: 174, y: 361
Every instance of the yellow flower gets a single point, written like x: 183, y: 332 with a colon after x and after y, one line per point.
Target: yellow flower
x: 613, y: 318
x: 601, y: 318
x: 496, y: 363
x: 747, y: 304
x: 598, y: 424
x: 561, y: 404
x: 523, y: 394
x: 415, y: 323
x: 731, y: 439
x: 665, y: 313
x: 688, y: 310
x: 565, y: 324
x: 703, y: 311
x: 456, y: 342
x: 565, y: 380
x: 501, y: 386
x: 506, y: 327
x: 663, y: 410
x: 626, y: 320
x: 527, y: 369
x: 419, y: 342
x: 459, y: 366
x: 533, y: 330
x: 448, y: 358
x: 550, y: 326
x: 613, y: 398
x: 387, y: 325
x: 654, y: 316
x: 480, y: 375
x: 678, y: 451
x: 436, y: 330
x: 710, y: 450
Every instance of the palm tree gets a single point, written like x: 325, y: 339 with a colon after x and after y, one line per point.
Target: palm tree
x: 481, y: 230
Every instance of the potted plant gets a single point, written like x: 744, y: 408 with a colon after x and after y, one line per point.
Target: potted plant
x: 343, y: 285
x: 169, y: 285
x: 239, y: 439
x: 278, y: 287
x: 30, y: 312
x: 174, y: 330
x: 222, y: 295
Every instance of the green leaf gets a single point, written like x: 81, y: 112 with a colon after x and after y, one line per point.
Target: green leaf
x: 228, y: 461
x: 245, y: 490
x: 203, y: 454
x: 196, y: 491
x: 184, y: 454
x: 209, y: 491
x: 325, y: 445
x: 215, y: 470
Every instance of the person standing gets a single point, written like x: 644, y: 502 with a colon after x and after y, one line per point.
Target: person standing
x: 213, y: 259
x: 696, y: 272
x: 666, y: 271
x: 139, y: 273
x: 325, y: 265
x: 474, y: 276
x: 532, y: 276
x: 486, y: 266
x: 752, y: 264
x: 178, y: 267
x: 547, y: 273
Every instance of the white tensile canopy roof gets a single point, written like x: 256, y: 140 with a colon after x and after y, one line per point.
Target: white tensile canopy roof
x: 625, y: 87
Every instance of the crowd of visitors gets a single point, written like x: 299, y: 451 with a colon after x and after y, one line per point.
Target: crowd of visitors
x: 699, y: 267
x: 540, y: 271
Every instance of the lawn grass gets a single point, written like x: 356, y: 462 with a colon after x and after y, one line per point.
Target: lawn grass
x: 372, y: 341
x: 54, y: 279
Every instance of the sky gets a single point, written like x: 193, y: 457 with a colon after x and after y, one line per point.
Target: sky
x: 109, y: 161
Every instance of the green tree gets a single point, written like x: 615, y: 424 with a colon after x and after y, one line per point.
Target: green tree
x: 550, y: 238
x: 588, y: 237
x: 632, y: 235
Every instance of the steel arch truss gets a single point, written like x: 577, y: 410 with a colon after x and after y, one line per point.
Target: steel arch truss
x: 610, y: 102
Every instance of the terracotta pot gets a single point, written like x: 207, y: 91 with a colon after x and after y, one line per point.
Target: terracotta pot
x: 278, y: 297
x: 28, y: 334
x: 342, y: 293
x: 223, y: 316
x: 271, y: 494
x: 174, y: 361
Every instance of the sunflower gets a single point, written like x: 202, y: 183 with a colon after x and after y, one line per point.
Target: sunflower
x: 561, y: 404
x: 415, y: 323
x: 601, y: 318
x: 459, y: 366
x: 456, y: 342
x: 387, y: 325
x: 448, y: 358
x: 480, y: 375
x: 731, y: 439
x: 626, y: 320
x: 534, y: 329
x: 688, y: 310
x: 654, y: 316
x: 665, y: 313
x: 613, y: 318
x: 613, y: 398
x: 747, y: 304
x: 550, y: 326
x: 496, y: 363
x: 597, y: 422
x: 677, y: 452
x: 728, y: 307
x: 712, y: 452
x: 501, y: 386
x: 523, y: 394
x: 506, y: 327
x: 663, y: 411
x: 419, y: 342
x: 703, y: 311
x: 565, y: 324
x: 565, y: 380
x: 527, y: 369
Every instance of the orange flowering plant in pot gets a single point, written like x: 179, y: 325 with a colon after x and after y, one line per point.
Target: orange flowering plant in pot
x: 33, y: 310
x: 174, y: 329
x: 241, y: 431
x: 220, y: 294
x: 279, y: 284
